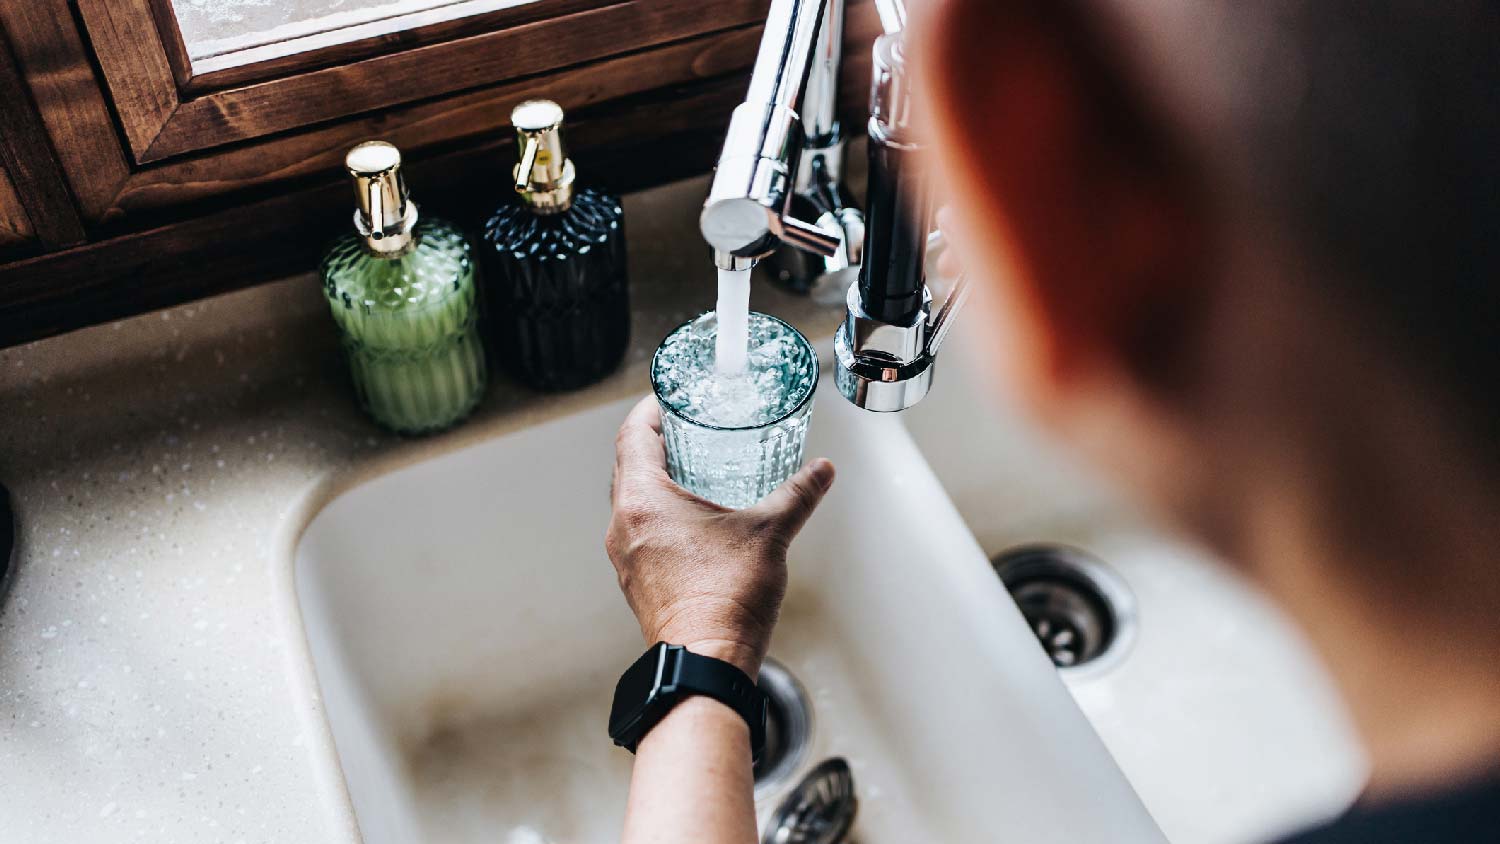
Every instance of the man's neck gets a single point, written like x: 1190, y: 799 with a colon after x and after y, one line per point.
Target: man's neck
x: 1419, y: 669
x: 1342, y: 480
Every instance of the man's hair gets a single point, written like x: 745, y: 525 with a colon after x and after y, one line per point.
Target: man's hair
x: 1370, y: 131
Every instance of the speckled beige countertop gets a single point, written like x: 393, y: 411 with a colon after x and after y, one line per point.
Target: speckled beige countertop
x: 153, y: 685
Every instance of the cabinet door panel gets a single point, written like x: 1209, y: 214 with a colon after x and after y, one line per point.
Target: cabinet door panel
x: 15, y: 226
x: 34, y: 175
x: 56, y: 69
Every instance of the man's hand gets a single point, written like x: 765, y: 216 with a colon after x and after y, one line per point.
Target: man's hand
x: 695, y: 573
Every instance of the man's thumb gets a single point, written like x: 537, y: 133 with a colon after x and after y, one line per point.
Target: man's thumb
x: 791, y: 504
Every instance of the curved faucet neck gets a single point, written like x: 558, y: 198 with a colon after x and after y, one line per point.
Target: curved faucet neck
x: 745, y: 215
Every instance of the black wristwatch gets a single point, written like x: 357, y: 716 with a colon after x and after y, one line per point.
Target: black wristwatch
x: 664, y: 675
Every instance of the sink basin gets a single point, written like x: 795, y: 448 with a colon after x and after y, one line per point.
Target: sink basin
x: 1217, y: 712
x: 466, y: 631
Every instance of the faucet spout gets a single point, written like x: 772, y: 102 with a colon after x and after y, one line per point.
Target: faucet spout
x: 730, y: 261
x: 745, y: 215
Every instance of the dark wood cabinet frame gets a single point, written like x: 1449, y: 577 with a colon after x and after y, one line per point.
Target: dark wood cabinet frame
x: 165, y: 111
x: 143, y: 185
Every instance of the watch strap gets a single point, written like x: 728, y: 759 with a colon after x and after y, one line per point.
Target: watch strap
x: 715, y: 678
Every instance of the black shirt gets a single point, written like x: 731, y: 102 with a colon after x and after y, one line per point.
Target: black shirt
x: 1470, y: 815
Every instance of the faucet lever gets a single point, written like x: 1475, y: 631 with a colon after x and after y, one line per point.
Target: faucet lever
x: 958, y: 294
x: 810, y: 238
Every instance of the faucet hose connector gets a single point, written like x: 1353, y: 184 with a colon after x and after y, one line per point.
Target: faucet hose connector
x: 898, y: 215
x: 899, y: 210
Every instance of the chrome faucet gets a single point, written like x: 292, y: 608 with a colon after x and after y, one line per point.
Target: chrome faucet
x: 887, y: 347
x: 747, y: 214
x: 773, y: 159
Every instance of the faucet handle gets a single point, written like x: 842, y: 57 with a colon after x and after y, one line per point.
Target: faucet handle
x: 958, y: 294
x: 725, y: 225
x: 810, y: 238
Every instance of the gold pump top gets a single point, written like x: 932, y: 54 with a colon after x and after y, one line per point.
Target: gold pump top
x: 384, y: 215
x: 544, y: 174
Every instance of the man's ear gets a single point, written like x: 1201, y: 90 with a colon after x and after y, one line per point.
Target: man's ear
x: 1067, y: 188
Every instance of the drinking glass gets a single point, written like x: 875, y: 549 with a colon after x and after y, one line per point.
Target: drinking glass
x: 720, y: 446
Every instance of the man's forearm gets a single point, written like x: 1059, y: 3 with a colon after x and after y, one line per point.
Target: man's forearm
x: 692, y: 781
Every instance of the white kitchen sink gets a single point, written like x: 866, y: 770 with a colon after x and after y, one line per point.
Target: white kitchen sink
x: 467, y: 631
x: 1217, y: 713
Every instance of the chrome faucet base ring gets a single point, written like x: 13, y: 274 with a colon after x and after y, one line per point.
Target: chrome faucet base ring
x: 873, y: 382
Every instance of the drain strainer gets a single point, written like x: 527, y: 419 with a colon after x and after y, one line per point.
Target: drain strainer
x: 788, y: 726
x: 1078, y: 608
x: 820, y: 810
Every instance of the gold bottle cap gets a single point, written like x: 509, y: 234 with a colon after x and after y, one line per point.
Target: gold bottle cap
x: 383, y: 215
x: 544, y: 175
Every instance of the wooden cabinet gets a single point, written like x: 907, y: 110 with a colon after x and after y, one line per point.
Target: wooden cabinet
x: 138, y: 176
x: 15, y: 227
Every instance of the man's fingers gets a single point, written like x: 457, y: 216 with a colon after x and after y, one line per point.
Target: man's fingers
x: 638, y: 446
x: 791, y: 504
x: 647, y: 413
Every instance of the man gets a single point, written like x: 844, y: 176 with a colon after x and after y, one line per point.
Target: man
x: 1243, y: 256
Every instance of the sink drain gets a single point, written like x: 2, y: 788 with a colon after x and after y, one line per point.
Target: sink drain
x: 1079, y: 609
x: 788, y: 726
x: 820, y: 810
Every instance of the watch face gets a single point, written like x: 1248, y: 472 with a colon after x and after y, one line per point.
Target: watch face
x: 636, y: 691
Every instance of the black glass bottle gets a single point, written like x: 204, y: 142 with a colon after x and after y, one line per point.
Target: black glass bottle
x: 554, y: 266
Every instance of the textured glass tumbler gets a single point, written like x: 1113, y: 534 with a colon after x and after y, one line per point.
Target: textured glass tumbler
x: 734, y: 465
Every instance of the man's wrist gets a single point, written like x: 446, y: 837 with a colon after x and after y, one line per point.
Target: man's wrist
x: 742, y: 656
x: 698, y: 716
